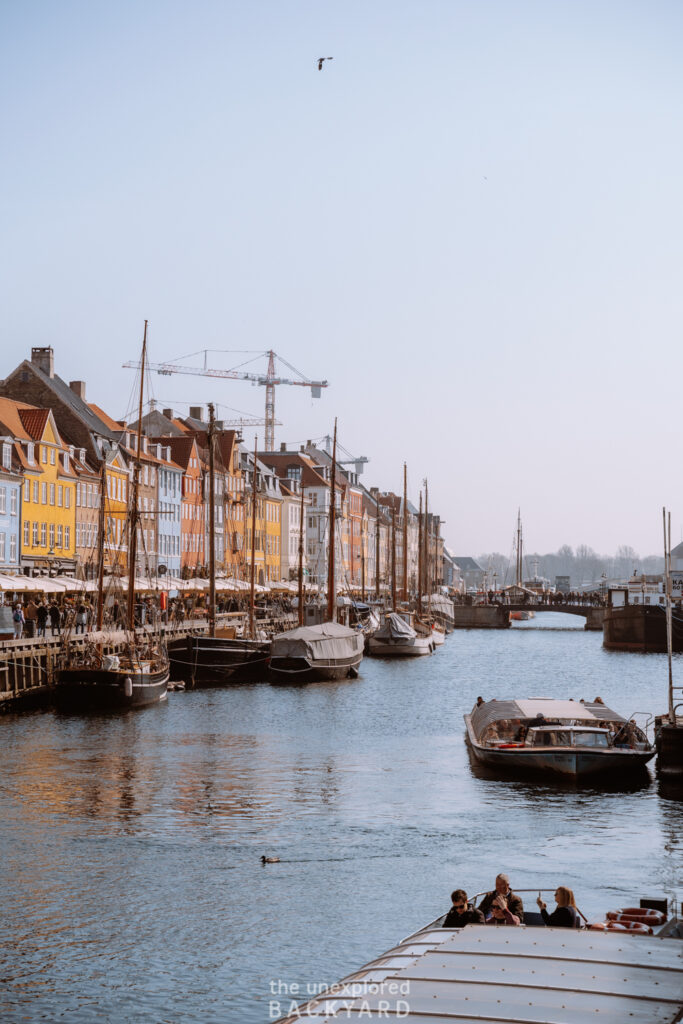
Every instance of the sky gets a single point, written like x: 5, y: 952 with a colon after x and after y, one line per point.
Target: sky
x: 469, y: 223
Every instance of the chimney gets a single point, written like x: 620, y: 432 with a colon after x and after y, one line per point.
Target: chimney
x: 196, y: 412
x: 44, y: 359
x: 78, y: 388
x: 302, y: 448
x: 168, y: 413
x: 283, y: 446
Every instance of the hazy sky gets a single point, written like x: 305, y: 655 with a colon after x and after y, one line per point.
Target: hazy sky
x: 469, y: 222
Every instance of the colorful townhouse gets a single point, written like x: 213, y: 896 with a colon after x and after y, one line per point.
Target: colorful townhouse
x: 169, y: 506
x: 185, y: 454
x: 48, y: 535
x: 88, y: 503
x: 10, y: 506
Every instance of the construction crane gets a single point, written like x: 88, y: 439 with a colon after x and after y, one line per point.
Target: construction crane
x: 269, y: 380
x: 358, y: 462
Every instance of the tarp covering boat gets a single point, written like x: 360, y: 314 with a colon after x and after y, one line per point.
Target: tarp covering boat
x: 395, y: 628
x: 557, y: 710
x: 328, y: 641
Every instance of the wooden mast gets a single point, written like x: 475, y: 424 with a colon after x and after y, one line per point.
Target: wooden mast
x: 420, y: 567
x: 252, y: 630
x: 393, y: 558
x: 133, y: 518
x: 301, y: 556
x: 363, y: 540
x: 667, y: 578
x: 427, y: 552
x: 212, y: 521
x: 518, y: 569
x: 377, y: 536
x: 100, y: 546
x: 331, y: 596
x: 405, y: 533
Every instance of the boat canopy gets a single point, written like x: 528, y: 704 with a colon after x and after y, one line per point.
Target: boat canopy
x: 328, y: 640
x: 557, y: 710
x: 395, y: 628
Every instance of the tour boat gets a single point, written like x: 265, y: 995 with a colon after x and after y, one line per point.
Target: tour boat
x: 565, y: 737
x: 397, y: 639
x: 495, y: 973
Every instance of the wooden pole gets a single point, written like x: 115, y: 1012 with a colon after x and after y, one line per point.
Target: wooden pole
x: 420, y: 567
x: 301, y: 557
x: 100, y: 547
x: 669, y: 643
x: 405, y: 533
x: 393, y: 558
x: 377, y: 536
x: 212, y: 521
x: 252, y: 628
x: 133, y: 518
x: 331, y: 595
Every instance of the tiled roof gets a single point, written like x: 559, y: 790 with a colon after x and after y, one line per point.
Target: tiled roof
x: 115, y: 426
x: 67, y: 396
x: 34, y: 421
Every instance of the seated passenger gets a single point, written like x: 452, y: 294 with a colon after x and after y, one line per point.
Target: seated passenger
x: 513, y: 902
x: 492, y: 734
x: 459, y: 915
x: 565, y: 914
x: 480, y: 701
x: 501, y: 914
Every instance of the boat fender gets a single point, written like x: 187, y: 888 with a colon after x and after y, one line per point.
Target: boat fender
x: 599, y: 926
x: 642, y: 914
x: 614, y: 926
x: 637, y: 927
x: 128, y: 687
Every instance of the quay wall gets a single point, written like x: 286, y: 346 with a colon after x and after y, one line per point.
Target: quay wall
x: 483, y: 616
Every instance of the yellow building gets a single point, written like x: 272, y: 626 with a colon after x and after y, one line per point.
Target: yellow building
x: 48, y: 507
x: 116, y: 513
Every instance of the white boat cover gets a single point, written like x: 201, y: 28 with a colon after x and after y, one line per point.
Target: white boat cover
x: 328, y: 641
x: 395, y: 628
x: 439, y: 603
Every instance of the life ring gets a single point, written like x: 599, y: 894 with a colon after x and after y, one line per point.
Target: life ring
x: 642, y: 914
x: 630, y: 926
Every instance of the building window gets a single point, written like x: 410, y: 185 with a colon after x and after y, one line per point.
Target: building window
x: 2, y: 547
x: 7, y: 456
x: 60, y: 495
x: 52, y: 492
x: 67, y: 497
x: 43, y: 453
x: 34, y: 542
x: 78, y: 495
x: 13, y: 548
x: 60, y: 533
x: 30, y: 452
x: 27, y: 490
x: 52, y: 456
x: 35, y: 491
x: 3, y: 500
x: 67, y: 537
x: 13, y: 496
x: 66, y: 460
x: 43, y: 534
x: 43, y: 494
x: 27, y: 533
x: 52, y: 536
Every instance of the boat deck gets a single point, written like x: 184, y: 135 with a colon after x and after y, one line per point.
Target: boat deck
x: 486, y: 973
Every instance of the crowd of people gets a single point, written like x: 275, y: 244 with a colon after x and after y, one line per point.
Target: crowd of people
x: 502, y: 906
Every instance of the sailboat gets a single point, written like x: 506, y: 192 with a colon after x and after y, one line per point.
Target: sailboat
x: 217, y: 659
x: 326, y: 651
x: 87, y: 678
x: 523, y: 614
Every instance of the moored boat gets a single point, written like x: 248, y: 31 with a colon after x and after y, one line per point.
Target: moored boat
x: 562, y: 737
x: 214, y: 660
x: 397, y: 639
x: 308, y: 653
x: 90, y: 681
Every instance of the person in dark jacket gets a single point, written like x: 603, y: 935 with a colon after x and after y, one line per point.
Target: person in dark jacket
x: 55, y: 618
x: 565, y: 914
x: 41, y: 618
x: 513, y: 903
x: 459, y: 915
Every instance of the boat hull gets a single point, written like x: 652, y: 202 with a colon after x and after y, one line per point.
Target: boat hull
x: 309, y: 670
x: 399, y: 648
x: 641, y: 628
x: 573, y: 763
x: 214, y: 661
x: 80, y: 689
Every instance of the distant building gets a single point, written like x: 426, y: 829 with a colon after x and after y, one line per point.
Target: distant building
x: 471, y: 572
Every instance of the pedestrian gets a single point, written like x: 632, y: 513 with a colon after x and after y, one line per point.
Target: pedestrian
x: 55, y: 618
x: 81, y: 618
x: 18, y: 621
x: 31, y: 616
x: 41, y: 618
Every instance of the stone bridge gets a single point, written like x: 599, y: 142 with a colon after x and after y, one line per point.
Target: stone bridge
x: 497, y: 616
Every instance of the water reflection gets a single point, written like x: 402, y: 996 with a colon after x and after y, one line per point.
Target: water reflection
x: 127, y: 837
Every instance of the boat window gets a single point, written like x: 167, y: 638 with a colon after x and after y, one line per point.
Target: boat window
x: 590, y: 739
x: 553, y: 738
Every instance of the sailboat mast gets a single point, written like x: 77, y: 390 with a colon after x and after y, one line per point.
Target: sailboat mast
x: 519, y: 571
x: 212, y: 521
x: 426, y: 531
x: 377, y: 537
x: 252, y: 630
x: 393, y: 558
x: 133, y: 519
x: 419, y: 558
x: 363, y: 541
x: 301, y: 556
x: 100, y: 546
x: 405, y: 532
x: 667, y: 578
x: 331, y: 529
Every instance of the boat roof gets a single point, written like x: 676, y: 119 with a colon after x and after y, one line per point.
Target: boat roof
x: 498, y: 710
x: 487, y: 973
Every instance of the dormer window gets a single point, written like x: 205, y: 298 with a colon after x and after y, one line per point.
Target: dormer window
x: 31, y: 452
x: 81, y: 454
x: 66, y: 461
x: 6, y: 456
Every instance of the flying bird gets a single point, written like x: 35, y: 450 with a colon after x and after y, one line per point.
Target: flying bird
x: 320, y: 62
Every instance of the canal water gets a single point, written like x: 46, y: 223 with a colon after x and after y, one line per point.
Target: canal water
x: 132, y: 882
